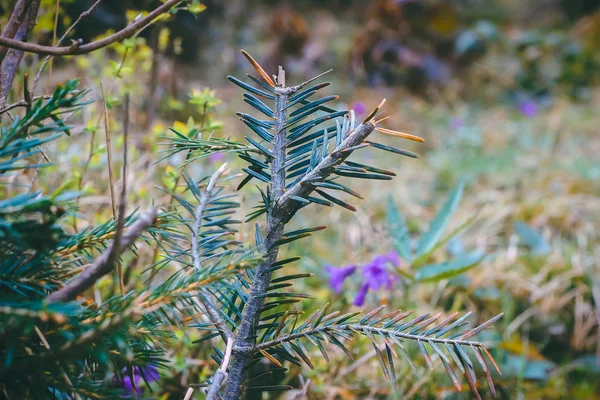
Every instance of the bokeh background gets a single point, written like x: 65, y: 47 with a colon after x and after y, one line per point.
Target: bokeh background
x: 504, y: 93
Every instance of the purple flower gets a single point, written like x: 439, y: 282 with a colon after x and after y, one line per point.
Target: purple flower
x: 148, y: 373
x: 375, y: 275
x: 361, y: 295
x: 337, y: 276
x: 528, y: 108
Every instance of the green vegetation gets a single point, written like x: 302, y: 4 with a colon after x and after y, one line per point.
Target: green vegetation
x: 128, y: 250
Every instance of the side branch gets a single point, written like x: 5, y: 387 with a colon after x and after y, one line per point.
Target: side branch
x: 287, y: 206
x: 105, y: 263
x: 211, y: 310
x: 357, y: 328
x: 78, y: 48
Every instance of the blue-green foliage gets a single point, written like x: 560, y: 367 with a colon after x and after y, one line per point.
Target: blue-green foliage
x: 422, y: 270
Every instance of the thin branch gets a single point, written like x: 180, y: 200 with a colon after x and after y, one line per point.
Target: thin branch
x: 78, y: 48
x: 300, y: 86
x: 13, y: 57
x: 22, y: 103
x: 48, y: 57
x: 221, y: 374
x: 111, y: 184
x: 123, y: 201
x: 189, y: 393
x: 106, y: 262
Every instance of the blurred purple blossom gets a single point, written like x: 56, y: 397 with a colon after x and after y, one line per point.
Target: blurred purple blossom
x: 337, y: 276
x: 375, y: 275
x: 148, y: 372
x: 216, y: 157
x: 457, y: 123
x: 359, y: 108
x: 528, y: 108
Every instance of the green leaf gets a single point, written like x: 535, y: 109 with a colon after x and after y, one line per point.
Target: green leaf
x: 439, y: 223
x: 423, y: 257
x: 449, y: 269
x: 398, y: 230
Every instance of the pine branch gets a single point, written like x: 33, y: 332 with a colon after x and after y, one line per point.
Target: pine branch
x: 280, y: 208
x: 393, y: 331
x: 211, y: 310
x: 366, y: 328
x: 244, y: 343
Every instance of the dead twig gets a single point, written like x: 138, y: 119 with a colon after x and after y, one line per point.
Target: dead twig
x: 78, y: 48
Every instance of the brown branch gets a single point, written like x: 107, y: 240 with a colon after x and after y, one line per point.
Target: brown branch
x: 78, y: 48
x: 13, y: 24
x: 121, y: 242
x: 10, y: 62
x: 22, y: 103
x: 45, y: 62
x: 105, y: 263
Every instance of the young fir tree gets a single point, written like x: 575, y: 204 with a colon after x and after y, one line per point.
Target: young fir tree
x: 54, y: 342
x: 299, y: 163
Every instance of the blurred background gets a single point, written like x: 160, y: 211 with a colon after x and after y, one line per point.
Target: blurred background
x: 505, y: 94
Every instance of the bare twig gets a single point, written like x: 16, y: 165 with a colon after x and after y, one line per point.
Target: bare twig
x: 56, y: 12
x: 105, y: 263
x: 22, y: 103
x: 123, y: 201
x: 111, y: 184
x: 87, y: 165
x: 12, y: 59
x: 47, y: 59
x: 221, y: 374
x: 78, y: 48
x: 189, y: 393
x: 303, y: 389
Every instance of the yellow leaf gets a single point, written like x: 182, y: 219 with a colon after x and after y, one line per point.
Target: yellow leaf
x: 180, y: 127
